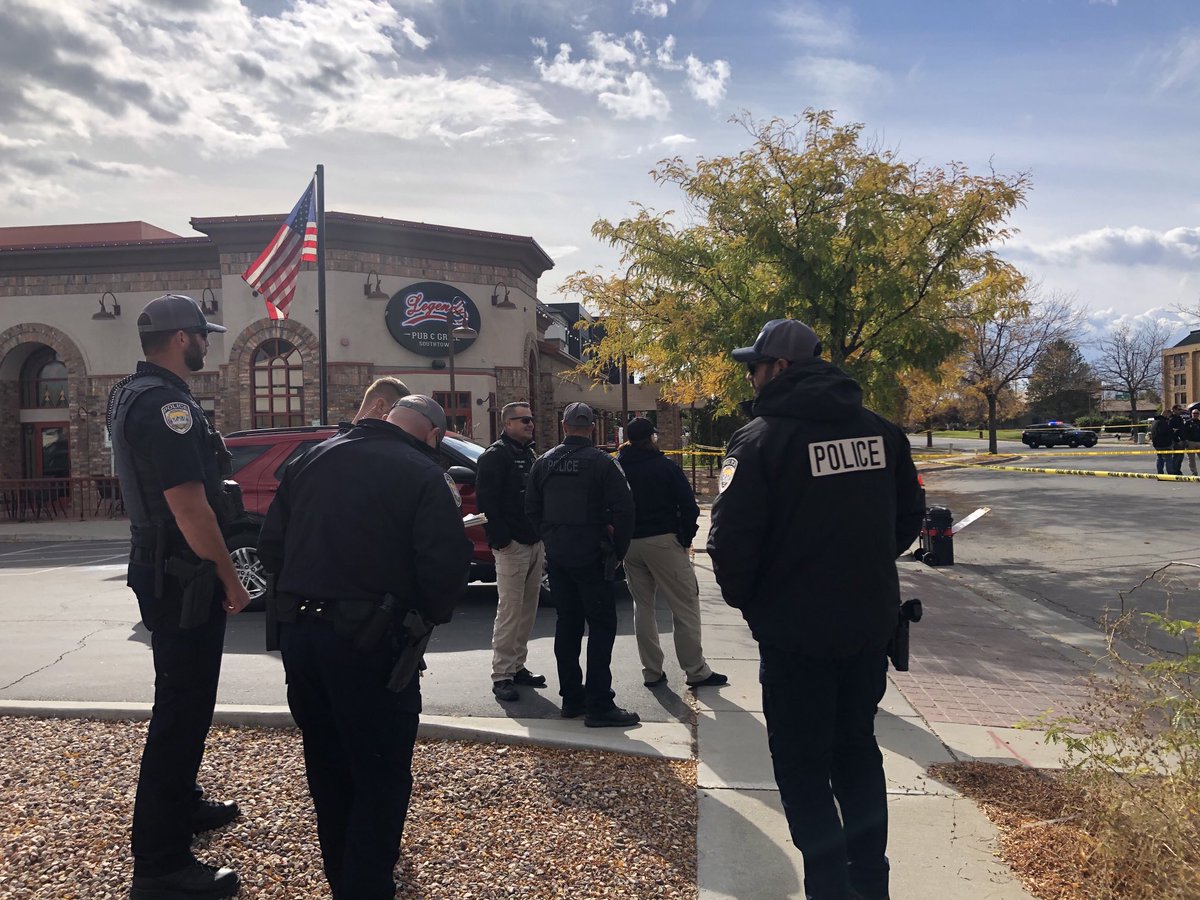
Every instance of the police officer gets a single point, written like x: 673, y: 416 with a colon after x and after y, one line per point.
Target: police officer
x: 818, y: 496
x: 169, y: 462
x: 579, y: 501
x: 366, y: 543
x: 520, y: 557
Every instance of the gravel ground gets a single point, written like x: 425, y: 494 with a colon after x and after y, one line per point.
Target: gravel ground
x: 486, y: 820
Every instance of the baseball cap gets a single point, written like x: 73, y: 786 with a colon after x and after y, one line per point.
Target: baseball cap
x: 640, y: 429
x: 781, y: 339
x: 174, y: 312
x: 578, y: 414
x: 426, y: 406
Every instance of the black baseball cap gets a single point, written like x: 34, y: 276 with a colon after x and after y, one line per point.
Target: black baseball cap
x: 578, y: 414
x: 640, y: 429
x: 781, y: 339
x: 174, y: 312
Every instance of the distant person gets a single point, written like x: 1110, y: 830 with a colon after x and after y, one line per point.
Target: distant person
x: 1176, y: 421
x: 1162, y: 438
x: 665, y: 522
x: 580, y: 503
x: 818, y: 496
x: 500, y: 483
x: 379, y: 398
x: 1191, y: 434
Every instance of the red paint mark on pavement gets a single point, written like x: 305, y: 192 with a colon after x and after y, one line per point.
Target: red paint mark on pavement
x: 1004, y: 745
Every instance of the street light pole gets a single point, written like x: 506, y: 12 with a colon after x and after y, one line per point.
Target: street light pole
x: 463, y: 332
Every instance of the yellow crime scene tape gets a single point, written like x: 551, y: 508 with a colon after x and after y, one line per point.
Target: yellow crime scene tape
x: 1092, y: 474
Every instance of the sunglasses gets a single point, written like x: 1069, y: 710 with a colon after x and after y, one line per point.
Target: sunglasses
x: 752, y: 367
x: 524, y: 420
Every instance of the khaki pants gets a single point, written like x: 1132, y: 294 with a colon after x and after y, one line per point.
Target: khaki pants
x: 659, y: 564
x: 518, y: 583
x: 1191, y: 457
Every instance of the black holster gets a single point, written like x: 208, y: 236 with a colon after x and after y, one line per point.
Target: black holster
x: 612, y: 562
x: 198, y: 587
x: 414, y: 633
x: 910, y: 611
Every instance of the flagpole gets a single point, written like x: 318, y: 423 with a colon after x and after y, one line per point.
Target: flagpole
x: 322, y: 358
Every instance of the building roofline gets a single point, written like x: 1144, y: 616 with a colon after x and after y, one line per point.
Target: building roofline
x: 101, y: 245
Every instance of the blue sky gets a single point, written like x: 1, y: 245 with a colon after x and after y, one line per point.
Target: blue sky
x: 537, y: 116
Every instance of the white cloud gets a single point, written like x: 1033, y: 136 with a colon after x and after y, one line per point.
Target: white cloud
x: 812, y: 26
x: 640, y: 99
x: 589, y: 75
x: 231, y: 82
x: 557, y: 253
x: 665, y: 54
x: 707, y: 81
x: 1174, y: 248
x: 656, y: 9
x: 1181, y: 64
x: 409, y: 29
x: 839, y: 78
x: 677, y: 140
x: 1103, y: 2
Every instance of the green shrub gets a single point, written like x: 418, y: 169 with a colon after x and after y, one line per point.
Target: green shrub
x: 1090, y: 421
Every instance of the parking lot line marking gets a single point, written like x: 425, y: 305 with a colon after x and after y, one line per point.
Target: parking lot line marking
x: 83, y: 563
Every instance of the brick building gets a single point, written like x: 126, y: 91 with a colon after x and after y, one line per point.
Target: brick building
x: 70, y: 294
x: 1181, y: 370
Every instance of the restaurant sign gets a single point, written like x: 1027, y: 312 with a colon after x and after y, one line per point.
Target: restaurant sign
x: 421, y: 316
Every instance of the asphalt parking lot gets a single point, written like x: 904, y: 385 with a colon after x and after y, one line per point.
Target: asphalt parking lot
x: 72, y: 633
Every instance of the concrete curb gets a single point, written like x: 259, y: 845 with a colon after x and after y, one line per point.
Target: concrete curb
x: 664, y: 740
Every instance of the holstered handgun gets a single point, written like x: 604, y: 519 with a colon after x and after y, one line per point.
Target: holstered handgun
x: 199, y: 582
x: 910, y: 611
x: 611, y: 561
x: 383, y: 618
x: 415, y: 632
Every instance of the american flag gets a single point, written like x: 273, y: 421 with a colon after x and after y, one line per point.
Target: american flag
x: 273, y: 274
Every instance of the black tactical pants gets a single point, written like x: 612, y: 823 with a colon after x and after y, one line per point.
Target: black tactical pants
x: 187, y: 666
x: 821, y: 727
x: 358, y: 748
x: 583, y: 598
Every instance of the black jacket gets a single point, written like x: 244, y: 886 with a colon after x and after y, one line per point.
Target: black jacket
x: 819, y: 496
x: 663, y: 501
x: 1191, y: 430
x: 1177, y: 428
x: 500, y: 492
x: 576, y: 495
x: 366, y: 513
x: 1162, y: 435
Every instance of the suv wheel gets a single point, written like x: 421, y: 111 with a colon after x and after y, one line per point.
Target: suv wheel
x: 1072, y: 443
x: 243, y: 551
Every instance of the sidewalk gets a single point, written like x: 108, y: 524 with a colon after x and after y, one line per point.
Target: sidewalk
x: 979, y: 666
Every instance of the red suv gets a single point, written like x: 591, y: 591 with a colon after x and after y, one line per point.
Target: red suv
x: 259, y: 458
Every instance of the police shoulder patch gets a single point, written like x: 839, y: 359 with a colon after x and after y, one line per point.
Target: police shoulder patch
x: 728, y: 470
x: 453, y: 490
x: 178, y: 417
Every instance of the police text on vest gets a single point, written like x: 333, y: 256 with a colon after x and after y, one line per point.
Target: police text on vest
x: 847, y: 455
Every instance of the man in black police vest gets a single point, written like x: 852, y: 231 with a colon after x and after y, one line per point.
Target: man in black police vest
x: 366, y: 543
x: 169, y: 461
x: 818, y: 496
x: 578, y: 500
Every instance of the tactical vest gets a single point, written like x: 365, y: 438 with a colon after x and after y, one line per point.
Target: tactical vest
x: 576, y: 496
x: 144, y: 500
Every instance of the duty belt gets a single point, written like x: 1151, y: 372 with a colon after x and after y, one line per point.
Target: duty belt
x: 143, y: 556
x: 316, y: 609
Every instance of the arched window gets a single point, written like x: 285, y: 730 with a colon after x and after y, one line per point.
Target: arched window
x: 277, y: 376
x: 43, y: 381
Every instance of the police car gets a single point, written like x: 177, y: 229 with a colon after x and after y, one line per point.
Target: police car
x: 1050, y: 434
x: 259, y: 458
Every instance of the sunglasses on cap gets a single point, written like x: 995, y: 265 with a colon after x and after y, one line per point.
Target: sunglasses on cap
x: 524, y: 420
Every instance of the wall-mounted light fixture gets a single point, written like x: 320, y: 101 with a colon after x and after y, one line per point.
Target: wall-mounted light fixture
x: 105, y: 312
x: 497, y: 302
x: 208, y: 302
x: 374, y: 293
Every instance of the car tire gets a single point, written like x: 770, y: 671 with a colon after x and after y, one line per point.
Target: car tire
x: 1091, y: 443
x: 243, y: 552
x: 1072, y: 443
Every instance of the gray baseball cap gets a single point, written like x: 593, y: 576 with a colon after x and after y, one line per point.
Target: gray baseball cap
x: 174, y: 312
x: 426, y: 406
x: 781, y: 339
x: 578, y: 414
